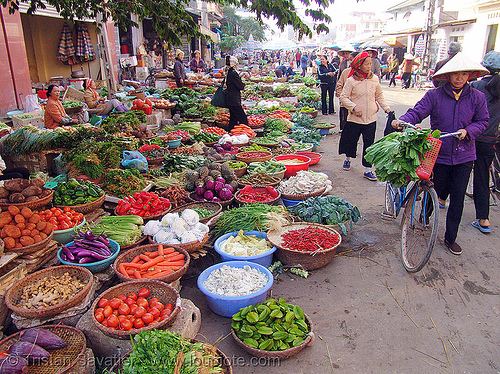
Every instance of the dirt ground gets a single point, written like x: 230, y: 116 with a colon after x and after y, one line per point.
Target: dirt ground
x: 369, y: 314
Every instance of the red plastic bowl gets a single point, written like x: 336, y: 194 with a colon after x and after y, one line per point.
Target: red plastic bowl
x: 315, y: 157
x: 291, y: 170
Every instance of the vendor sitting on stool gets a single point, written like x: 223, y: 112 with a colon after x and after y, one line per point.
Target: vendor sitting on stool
x: 55, y: 115
x: 95, y: 102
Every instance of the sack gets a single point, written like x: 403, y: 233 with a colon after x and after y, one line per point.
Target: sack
x: 219, y: 97
x: 31, y: 104
x: 391, y: 116
x: 134, y: 159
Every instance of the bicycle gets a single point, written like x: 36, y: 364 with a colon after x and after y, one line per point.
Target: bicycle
x: 494, y: 185
x: 419, y: 224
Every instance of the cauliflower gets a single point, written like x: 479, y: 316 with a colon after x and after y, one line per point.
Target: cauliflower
x: 187, y: 237
x: 169, y: 218
x: 163, y: 237
x: 151, y: 228
x: 179, y: 226
x: 190, y: 216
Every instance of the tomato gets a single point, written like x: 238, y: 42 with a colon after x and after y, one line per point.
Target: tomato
x: 66, y: 209
x: 153, y: 300
x: 121, y: 317
x: 170, y: 308
x: 107, y: 311
x: 142, y: 302
x: 147, y: 318
x: 57, y: 213
x: 126, y: 324
x: 115, y: 303
x: 133, y: 308
x: 115, y: 312
x: 133, y: 296
x: 138, y: 323
x: 63, y: 226
x: 99, y: 310
x: 140, y: 311
x: 113, y: 321
x: 143, y: 292
x: 124, y: 309
x: 122, y: 297
x: 102, y: 303
x: 105, y: 322
x: 129, y: 301
x: 99, y: 316
x: 157, y: 305
x: 155, y: 312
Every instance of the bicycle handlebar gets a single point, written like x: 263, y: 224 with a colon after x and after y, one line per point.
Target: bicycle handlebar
x: 447, y: 135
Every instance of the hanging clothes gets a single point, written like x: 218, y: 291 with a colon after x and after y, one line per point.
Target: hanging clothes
x: 66, y: 49
x: 84, y: 48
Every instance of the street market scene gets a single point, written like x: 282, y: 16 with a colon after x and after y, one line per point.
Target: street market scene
x: 232, y: 187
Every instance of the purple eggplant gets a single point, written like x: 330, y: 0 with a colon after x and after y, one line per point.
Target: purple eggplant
x: 87, y: 253
x: 79, y: 247
x: 86, y: 260
x: 68, y: 253
x: 13, y: 365
x: 30, y: 351
x: 95, y: 243
x: 43, y: 338
x: 103, y: 239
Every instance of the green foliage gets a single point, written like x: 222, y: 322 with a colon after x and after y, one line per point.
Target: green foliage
x: 244, y: 26
x: 230, y: 43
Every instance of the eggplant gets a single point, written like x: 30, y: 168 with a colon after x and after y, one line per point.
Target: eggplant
x: 43, y: 338
x: 95, y: 243
x: 103, y: 239
x: 30, y: 351
x: 13, y: 365
x: 86, y: 260
x: 79, y: 247
x: 68, y: 253
x: 87, y: 253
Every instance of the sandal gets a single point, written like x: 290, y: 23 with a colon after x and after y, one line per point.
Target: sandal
x: 483, y: 229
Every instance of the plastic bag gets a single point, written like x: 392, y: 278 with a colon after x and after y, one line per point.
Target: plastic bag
x: 32, y: 103
x: 134, y: 159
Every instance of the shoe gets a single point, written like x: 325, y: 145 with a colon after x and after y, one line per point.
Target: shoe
x: 369, y: 175
x: 483, y: 229
x: 325, y: 114
x: 441, y: 206
x: 347, y: 165
x: 453, y: 247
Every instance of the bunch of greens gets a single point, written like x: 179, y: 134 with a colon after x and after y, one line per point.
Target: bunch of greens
x: 121, y: 183
x: 302, y: 120
x: 157, y: 351
x: 179, y: 162
x: 296, y: 79
x: 307, y: 94
x: 123, y: 121
x: 326, y: 210
x: 313, y: 104
x: 275, y: 124
x: 397, y: 155
x: 257, y: 110
x: 283, y: 90
x: 310, y: 80
x: 306, y: 135
x: 71, y: 104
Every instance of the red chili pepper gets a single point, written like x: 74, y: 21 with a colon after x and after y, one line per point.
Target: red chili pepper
x: 309, y: 239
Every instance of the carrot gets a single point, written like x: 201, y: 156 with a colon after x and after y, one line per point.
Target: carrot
x: 151, y: 263
x: 152, y: 274
x: 174, y: 263
x: 160, y: 250
x: 168, y: 250
x: 135, y: 260
x: 122, y: 270
x: 137, y: 275
x: 151, y: 255
x: 175, y: 268
x: 164, y: 268
x: 173, y: 257
x: 145, y: 258
x: 131, y: 265
x: 163, y: 274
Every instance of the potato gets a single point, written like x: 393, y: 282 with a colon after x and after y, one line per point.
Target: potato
x: 32, y: 198
x: 16, y: 184
x: 35, y: 218
x: 12, y: 231
x: 42, y: 235
x: 9, y: 243
x: 19, y: 218
x: 25, y: 232
x: 3, y: 235
x: 37, y: 182
x: 5, y: 219
x: 32, y: 191
x: 40, y: 226
x: 14, y: 210
x: 4, y: 193
x: 18, y: 245
x: 38, y: 238
x: 34, y: 232
x: 26, y: 241
x: 21, y: 226
x: 26, y: 212
x: 17, y: 198
x: 30, y: 226
x: 49, y: 228
x: 45, y: 192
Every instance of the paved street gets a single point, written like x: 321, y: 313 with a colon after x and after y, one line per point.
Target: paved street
x: 369, y: 314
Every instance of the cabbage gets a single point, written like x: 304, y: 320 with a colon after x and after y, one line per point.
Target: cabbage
x: 218, y: 186
x: 188, y: 237
x: 169, y: 218
x: 225, y: 194
x: 190, y: 216
x: 208, y: 195
x: 200, y: 227
x: 179, y: 227
x: 151, y: 228
x: 162, y: 237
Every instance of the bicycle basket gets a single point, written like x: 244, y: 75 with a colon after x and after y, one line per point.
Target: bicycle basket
x: 429, y: 159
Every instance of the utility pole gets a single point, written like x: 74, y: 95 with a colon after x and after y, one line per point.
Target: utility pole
x: 429, y: 30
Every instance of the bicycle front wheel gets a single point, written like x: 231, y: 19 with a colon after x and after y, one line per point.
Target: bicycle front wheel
x: 419, y: 227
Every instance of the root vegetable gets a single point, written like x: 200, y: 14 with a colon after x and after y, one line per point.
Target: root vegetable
x: 26, y: 212
x: 14, y: 210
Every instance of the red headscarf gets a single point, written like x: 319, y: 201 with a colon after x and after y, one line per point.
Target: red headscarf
x: 88, y: 82
x: 357, y: 62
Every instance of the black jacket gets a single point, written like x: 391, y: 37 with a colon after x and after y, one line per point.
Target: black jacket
x: 322, y: 74
x: 489, y: 135
x: 234, y: 87
x: 179, y: 71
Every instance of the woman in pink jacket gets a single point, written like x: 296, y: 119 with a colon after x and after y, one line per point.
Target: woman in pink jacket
x: 361, y: 95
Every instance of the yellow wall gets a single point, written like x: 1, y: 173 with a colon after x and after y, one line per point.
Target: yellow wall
x: 41, y: 36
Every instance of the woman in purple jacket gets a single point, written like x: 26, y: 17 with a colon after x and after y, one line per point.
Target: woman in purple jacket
x: 454, y: 107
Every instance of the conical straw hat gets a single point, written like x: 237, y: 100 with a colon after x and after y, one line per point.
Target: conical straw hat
x: 460, y: 62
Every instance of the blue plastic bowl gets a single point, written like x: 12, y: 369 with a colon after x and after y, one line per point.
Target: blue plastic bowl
x: 95, y: 267
x: 288, y: 202
x: 65, y: 236
x: 227, y: 306
x: 324, y: 131
x: 264, y: 259
x: 174, y: 143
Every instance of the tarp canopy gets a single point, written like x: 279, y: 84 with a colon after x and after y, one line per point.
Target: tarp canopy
x: 251, y: 44
x: 275, y: 45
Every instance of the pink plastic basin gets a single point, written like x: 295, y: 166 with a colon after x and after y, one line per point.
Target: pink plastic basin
x: 315, y: 157
x: 291, y: 170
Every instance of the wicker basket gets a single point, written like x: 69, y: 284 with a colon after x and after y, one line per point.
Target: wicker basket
x: 13, y: 296
x: 152, y: 218
x: 268, y: 145
x: 242, y: 184
x: 86, y: 208
x: 287, y: 353
x: 34, y: 247
x: 31, y: 204
x: 140, y: 241
x: 240, y: 172
x: 242, y: 156
x: 155, y: 161
x: 162, y: 291
x: 188, y: 247
x: 214, y: 206
x: 309, y: 261
x: 130, y: 255
x: 304, y: 196
x: 61, y: 360
x: 74, y: 110
x: 2, y: 247
x: 270, y: 202
x: 225, y: 204
x: 224, y: 360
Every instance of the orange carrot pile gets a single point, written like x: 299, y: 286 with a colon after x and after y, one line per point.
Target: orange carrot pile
x: 242, y: 129
x: 152, y: 265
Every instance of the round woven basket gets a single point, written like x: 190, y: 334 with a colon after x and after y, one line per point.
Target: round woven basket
x: 213, y: 206
x: 308, y: 260
x: 304, y: 196
x: 268, y: 145
x: 162, y: 291
x: 242, y: 157
x: 62, y: 359
x: 140, y: 241
x: 86, y: 208
x: 34, y: 247
x: 225, y: 204
x: 242, y: 184
x: 31, y: 204
x: 270, y: 202
x: 287, y: 353
x: 76, y: 109
x: 2, y: 247
x: 224, y: 360
x: 131, y: 254
x: 240, y: 172
x: 188, y: 247
x: 151, y: 218
x: 155, y: 161
x: 13, y: 296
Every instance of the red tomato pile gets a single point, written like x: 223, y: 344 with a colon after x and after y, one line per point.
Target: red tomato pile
x: 257, y: 120
x: 183, y: 134
x: 143, y: 204
x: 62, y: 219
x: 131, y: 312
x: 214, y: 130
x: 281, y: 114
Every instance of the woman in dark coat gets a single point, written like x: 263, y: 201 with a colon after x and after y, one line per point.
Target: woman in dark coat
x: 327, y: 76
x: 179, y: 69
x: 234, y: 86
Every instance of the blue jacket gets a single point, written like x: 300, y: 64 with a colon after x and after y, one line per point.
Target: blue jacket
x: 303, y: 61
x: 469, y: 112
